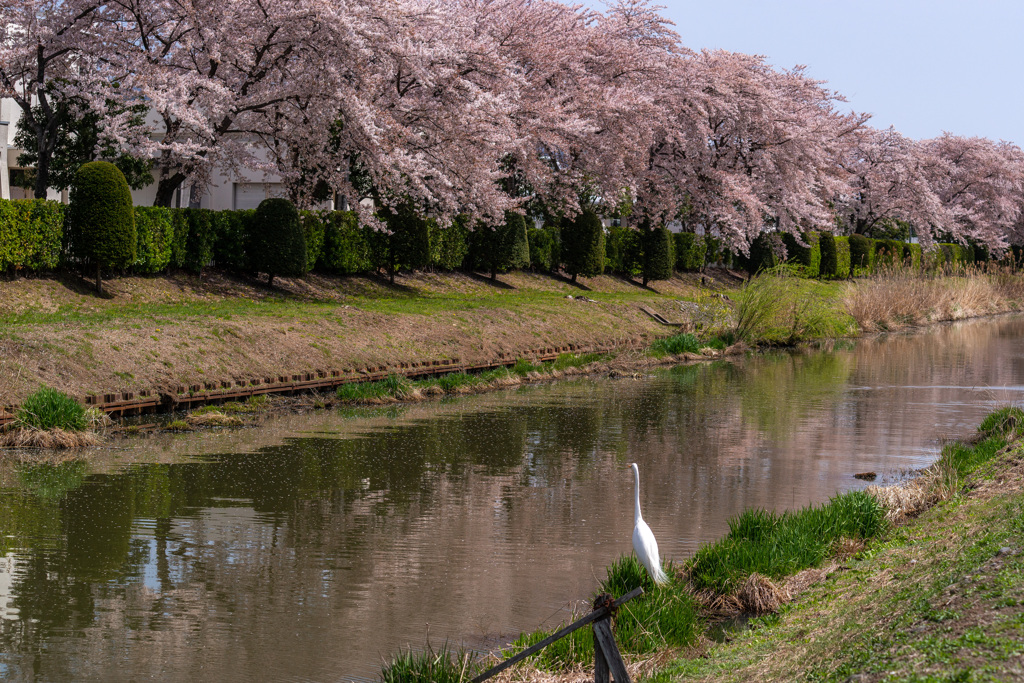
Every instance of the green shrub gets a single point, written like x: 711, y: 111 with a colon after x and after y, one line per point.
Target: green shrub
x: 499, y: 248
x: 808, y: 258
x: 100, y: 227
x: 657, y: 254
x: 192, y: 248
x: 314, y: 225
x: 888, y: 252
x: 449, y: 245
x: 861, y: 254
x: 714, y: 250
x: 154, y: 233
x: 623, y: 251
x: 583, y: 245
x: 692, y: 251
x: 541, y: 241
x: 31, y: 232
x: 48, y: 408
x: 276, y: 244
x: 664, y: 616
x: 229, y: 230
x: 829, y: 265
x: 347, y: 248
x: 842, y: 257
x: 406, y: 245
x: 764, y: 252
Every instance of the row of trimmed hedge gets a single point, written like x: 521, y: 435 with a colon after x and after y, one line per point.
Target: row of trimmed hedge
x: 31, y: 234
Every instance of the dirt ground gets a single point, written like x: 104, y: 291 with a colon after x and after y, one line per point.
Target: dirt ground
x: 158, y: 332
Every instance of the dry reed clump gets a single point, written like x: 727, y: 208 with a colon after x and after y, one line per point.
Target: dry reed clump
x: 910, y: 498
x: 761, y: 595
x: 213, y: 418
x: 893, y: 299
x: 432, y: 390
x: 847, y: 547
x: 508, y: 381
x: 638, y: 669
x: 898, y: 296
x: 56, y: 438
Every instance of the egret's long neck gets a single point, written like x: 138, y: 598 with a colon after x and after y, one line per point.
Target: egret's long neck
x: 636, y: 514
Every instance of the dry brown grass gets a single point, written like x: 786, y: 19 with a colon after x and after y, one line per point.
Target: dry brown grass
x: 761, y: 595
x: 213, y: 418
x: 637, y: 668
x: 912, y: 497
x: 28, y: 437
x: 898, y: 297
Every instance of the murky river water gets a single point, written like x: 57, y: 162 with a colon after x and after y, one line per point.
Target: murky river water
x: 311, y: 549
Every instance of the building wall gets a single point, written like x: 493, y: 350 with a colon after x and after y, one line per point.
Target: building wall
x: 226, y: 191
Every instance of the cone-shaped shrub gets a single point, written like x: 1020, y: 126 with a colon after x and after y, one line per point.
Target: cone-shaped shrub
x: 500, y: 248
x: 827, y: 243
x: 583, y: 245
x: 860, y: 252
x: 276, y: 244
x: 657, y: 246
x: 101, y: 220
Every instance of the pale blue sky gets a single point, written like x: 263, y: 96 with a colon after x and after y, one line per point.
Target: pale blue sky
x: 922, y: 66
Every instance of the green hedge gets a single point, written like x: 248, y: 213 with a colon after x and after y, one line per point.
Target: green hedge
x: 691, y: 251
x: 542, y: 242
x: 229, y: 229
x: 807, y: 257
x: 347, y: 246
x: 862, y: 254
x: 449, y: 245
x: 314, y: 226
x: 154, y: 233
x: 31, y: 233
x: 842, y: 257
x: 623, y: 251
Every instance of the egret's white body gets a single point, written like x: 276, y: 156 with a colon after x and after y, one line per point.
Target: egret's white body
x: 643, y: 539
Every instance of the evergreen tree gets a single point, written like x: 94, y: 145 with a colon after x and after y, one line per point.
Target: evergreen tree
x: 101, y: 220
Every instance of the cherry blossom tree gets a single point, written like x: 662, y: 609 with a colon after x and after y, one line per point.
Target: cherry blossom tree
x: 750, y: 146
x: 45, y: 51
x: 980, y: 183
x: 889, y: 181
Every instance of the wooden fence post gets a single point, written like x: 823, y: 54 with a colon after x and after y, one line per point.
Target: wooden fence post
x: 607, y: 659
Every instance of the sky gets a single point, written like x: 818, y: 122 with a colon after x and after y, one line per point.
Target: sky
x: 923, y: 66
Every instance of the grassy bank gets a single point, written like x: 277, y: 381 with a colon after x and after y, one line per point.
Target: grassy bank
x: 161, y: 332
x: 921, y: 582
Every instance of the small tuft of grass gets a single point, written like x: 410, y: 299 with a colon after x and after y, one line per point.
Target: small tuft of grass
x: 430, y: 666
x: 48, y: 408
x: 675, y: 345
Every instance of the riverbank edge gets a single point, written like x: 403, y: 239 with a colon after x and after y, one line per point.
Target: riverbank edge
x: 626, y: 355
x: 940, y: 592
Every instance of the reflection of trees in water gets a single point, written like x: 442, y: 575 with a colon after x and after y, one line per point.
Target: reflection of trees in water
x: 275, y: 553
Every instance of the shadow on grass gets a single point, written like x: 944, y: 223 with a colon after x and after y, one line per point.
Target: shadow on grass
x: 486, y: 279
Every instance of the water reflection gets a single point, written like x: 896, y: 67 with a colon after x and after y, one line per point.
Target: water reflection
x: 313, y: 555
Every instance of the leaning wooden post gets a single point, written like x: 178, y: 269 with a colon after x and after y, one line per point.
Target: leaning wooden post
x: 607, y: 659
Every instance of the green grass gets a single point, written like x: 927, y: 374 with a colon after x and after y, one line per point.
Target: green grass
x: 779, y: 544
x: 664, y: 616
x: 680, y: 343
x: 430, y: 666
x: 48, y: 408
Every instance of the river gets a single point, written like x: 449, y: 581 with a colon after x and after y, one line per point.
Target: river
x: 314, y: 546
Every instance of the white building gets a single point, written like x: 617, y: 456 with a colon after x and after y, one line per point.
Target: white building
x: 224, y: 192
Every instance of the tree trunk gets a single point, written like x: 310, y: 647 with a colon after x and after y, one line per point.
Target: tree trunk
x: 574, y: 277
x: 494, y: 274
x: 99, y: 280
x: 270, y: 279
x: 166, y: 187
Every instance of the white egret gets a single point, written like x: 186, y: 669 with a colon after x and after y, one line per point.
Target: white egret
x: 643, y: 539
